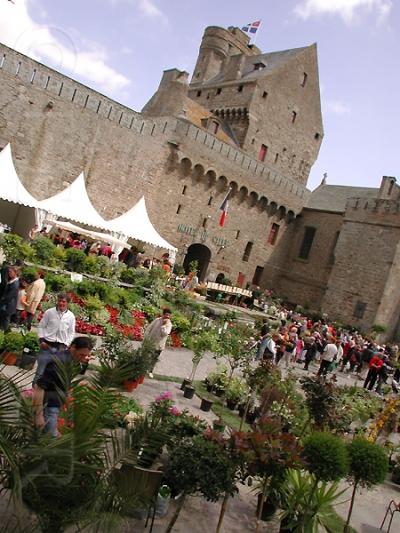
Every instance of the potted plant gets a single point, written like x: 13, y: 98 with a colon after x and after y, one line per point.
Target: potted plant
x: 30, y: 351
x: 217, y: 379
x: 199, y: 466
x: 206, y: 404
x: 235, y: 393
x: 189, y: 392
x: 13, y: 345
x: 369, y: 465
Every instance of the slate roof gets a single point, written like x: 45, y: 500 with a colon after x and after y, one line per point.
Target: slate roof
x: 271, y: 60
x: 333, y: 197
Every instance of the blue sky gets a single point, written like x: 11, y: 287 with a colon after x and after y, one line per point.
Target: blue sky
x: 121, y: 47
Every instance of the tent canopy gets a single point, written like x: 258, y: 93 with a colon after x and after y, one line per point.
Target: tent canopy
x: 11, y: 188
x: 136, y: 224
x: 74, y: 203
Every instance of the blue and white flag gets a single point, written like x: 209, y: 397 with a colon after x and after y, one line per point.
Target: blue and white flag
x: 252, y: 27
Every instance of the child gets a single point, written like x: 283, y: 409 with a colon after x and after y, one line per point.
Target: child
x: 21, y: 302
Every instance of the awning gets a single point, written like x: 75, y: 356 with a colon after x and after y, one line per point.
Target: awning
x: 74, y: 203
x: 11, y: 188
x: 136, y: 224
x: 95, y: 235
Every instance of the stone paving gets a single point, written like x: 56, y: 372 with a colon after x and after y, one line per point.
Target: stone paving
x: 198, y: 515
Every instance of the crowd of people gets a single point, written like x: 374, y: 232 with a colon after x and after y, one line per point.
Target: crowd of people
x: 300, y: 341
x: 131, y: 256
x: 19, y: 299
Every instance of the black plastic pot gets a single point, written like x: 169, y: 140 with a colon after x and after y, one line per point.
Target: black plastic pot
x: 185, y: 383
x: 188, y: 392
x: 251, y: 417
x: 241, y: 409
x: 219, y: 392
x: 231, y: 404
x: 206, y: 404
x: 268, y: 509
x: 209, y: 387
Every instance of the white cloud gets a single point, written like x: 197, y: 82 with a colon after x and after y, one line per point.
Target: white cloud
x: 347, y: 9
x: 53, y: 45
x: 335, y: 107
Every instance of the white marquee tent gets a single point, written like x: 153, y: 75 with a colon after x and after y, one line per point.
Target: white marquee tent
x: 136, y: 224
x: 73, y: 203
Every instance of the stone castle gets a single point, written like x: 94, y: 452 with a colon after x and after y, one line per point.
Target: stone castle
x: 247, y: 122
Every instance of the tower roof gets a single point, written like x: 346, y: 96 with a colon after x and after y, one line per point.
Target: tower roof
x: 334, y: 197
x: 267, y: 62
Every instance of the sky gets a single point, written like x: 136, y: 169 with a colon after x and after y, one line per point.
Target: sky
x: 121, y: 47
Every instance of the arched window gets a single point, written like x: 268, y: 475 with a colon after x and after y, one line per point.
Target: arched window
x: 247, y: 251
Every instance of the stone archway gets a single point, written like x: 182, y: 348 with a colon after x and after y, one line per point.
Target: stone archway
x: 201, y: 254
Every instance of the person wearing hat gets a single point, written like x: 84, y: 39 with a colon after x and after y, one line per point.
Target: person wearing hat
x: 310, y: 351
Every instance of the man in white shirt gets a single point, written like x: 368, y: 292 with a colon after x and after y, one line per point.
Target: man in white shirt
x: 328, y: 356
x: 157, y: 333
x: 56, y: 332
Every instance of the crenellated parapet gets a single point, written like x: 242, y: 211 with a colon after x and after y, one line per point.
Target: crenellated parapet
x: 373, y: 211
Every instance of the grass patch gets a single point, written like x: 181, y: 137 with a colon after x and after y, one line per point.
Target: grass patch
x: 229, y: 417
x: 173, y: 379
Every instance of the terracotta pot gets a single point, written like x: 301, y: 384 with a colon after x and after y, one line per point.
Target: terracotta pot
x: 9, y: 358
x: 130, y: 385
x: 140, y: 380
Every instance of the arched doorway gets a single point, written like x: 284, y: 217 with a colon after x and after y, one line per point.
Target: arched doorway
x: 220, y: 277
x: 201, y: 254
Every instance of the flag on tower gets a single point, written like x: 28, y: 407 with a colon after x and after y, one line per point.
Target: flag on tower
x: 252, y: 27
x: 224, y: 210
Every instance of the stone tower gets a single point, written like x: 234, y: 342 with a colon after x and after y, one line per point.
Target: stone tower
x: 270, y: 101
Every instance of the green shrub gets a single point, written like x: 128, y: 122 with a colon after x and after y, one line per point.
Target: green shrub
x: 1, y: 340
x: 31, y: 342
x: 44, y: 250
x: 180, y: 323
x: 13, y: 342
x: 369, y: 466
x: 14, y: 247
x: 57, y: 282
x: 326, y: 456
x: 75, y: 260
x: 29, y: 273
x: 129, y: 276
x: 92, y: 265
x: 60, y: 256
x: 369, y: 463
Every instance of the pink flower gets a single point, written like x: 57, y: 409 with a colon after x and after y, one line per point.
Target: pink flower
x: 174, y: 411
x: 27, y: 393
x: 166, y: 395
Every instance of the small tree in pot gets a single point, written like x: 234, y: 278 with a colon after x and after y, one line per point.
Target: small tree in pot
x: 369, y: 465
x: 199, y: 466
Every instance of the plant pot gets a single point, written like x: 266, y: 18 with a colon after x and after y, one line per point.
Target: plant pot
x: 206, y: 404
x: 250, y: 417
x: 185, y: 382
x: 219, y: 392
x: 188, y: 392
x: 140, y: 380
x: 231, y: 404
x: 9, y: 358
x: 130, y: 385
x: 268, y: 510
x: 27, y: 361
x: 209, y: 387
x: 241, y: 409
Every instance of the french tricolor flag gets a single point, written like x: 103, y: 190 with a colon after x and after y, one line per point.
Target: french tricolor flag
x: 224, y: 209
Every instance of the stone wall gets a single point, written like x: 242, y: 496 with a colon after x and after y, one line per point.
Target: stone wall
x: 366, y: 266
x: 304, y: 280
